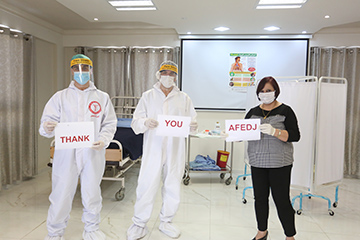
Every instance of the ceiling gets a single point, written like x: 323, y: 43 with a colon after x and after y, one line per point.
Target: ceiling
x: 195, y: 16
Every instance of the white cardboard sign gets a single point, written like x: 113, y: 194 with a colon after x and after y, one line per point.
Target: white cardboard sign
x: 242, y: 129
x: 173, y: 126
x: 70, y: 135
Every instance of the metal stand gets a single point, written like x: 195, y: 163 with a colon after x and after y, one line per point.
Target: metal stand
x: 309, y: 195
x: 223, y: 171
x: 246, y: 188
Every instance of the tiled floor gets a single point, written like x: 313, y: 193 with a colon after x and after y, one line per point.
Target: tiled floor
x: 209, y: 210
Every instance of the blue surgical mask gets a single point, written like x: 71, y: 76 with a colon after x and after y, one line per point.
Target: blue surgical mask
x: 82, y: 77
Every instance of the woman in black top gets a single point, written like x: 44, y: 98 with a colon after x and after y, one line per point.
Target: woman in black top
x: 271, y: 158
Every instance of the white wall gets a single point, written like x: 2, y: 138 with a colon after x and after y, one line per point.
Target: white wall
x: 328, y: 37
x: 121, y: 38
x: 46, y: 72
x: 206, y: 121
x: 336, y: 37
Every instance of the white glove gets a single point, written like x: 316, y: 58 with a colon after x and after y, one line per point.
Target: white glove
x: 49, y: 126
x: 266, y: 128
x: 151, y: 123
x: 193, y: 126
x: 99, y: 145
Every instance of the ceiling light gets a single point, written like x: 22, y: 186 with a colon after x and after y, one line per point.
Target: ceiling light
x: 271, y: 28
x: 96, y: 19
x: 131, y: 3
x: 282, y: 2
x: 221, y: 29
x: 4, y: 26
x: 136, y: 8
x: 134, y: 5
x: 327, y: 16
x: 303, y: 32
x: 188, y: 33
x: 277, y: 6
x: 15, y: 30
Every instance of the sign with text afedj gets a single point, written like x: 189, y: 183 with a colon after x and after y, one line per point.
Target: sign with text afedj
x: 70, y: 135
x: 173, y: 126
x: 242, y: 129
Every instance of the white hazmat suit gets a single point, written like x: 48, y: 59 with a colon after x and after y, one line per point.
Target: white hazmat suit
x: 162, y: 156
x: 74, y: 105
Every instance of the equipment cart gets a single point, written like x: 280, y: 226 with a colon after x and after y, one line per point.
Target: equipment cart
x: 223, y: 171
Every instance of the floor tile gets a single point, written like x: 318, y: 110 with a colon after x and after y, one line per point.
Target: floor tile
x: 209, y: 210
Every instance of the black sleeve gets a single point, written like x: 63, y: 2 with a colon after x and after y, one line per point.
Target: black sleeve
x: 291, y: 125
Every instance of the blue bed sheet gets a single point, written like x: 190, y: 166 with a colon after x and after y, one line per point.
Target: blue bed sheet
x: 124, y: 122
x: 131, y: 143
x: 202, y: 163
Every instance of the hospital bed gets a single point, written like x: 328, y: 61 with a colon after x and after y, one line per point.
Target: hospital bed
x: 125, y: 149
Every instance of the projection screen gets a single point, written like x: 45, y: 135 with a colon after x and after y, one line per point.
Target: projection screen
x: 216, y: 73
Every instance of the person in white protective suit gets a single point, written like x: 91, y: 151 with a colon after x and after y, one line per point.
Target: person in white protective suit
x: 80, y: 102
x: 163, y: 157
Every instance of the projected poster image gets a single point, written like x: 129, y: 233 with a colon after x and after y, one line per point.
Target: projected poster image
x: 242, y: 71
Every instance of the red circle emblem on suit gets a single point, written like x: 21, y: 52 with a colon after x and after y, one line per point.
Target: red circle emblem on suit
x: 95, y: 107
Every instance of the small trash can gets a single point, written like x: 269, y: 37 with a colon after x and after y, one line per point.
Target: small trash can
x: 222, y: 157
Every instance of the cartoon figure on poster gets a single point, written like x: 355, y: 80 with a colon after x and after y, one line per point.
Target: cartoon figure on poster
x: 242, y: 71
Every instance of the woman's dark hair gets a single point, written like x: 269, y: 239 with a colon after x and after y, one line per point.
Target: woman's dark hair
x: 273, y: 83
x: 236, y: 58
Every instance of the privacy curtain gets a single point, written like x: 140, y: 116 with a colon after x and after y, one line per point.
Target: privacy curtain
x: 343, y: 62
x: 144, y: 63
x: 127, y: 71
x: 17, y: 118
x: 110, y: 71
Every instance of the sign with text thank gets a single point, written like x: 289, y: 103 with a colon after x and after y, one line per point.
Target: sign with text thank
x: 173, y: 126
x: 242, y: 129
x: 70, y: 135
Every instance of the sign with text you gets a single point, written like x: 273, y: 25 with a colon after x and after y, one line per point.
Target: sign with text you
x: 70, y: 135
x: 242, y: 129
x: 173, y: 126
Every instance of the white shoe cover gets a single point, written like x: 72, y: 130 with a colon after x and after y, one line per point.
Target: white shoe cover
x: 169, y: 229
x: 95, y: 235
x: 54, y: 238
x: 136, y: 232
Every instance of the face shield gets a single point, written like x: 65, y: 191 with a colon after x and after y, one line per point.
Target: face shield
x: 82, y: 70
x: 170, y: 66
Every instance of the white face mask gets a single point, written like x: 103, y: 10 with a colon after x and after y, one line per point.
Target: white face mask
x: 167, y: 81
x: 267, y: 97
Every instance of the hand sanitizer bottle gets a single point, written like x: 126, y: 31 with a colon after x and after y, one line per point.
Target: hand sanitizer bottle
x: 217, y: 129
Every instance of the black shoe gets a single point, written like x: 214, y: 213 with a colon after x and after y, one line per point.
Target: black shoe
x: 263, y: 238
